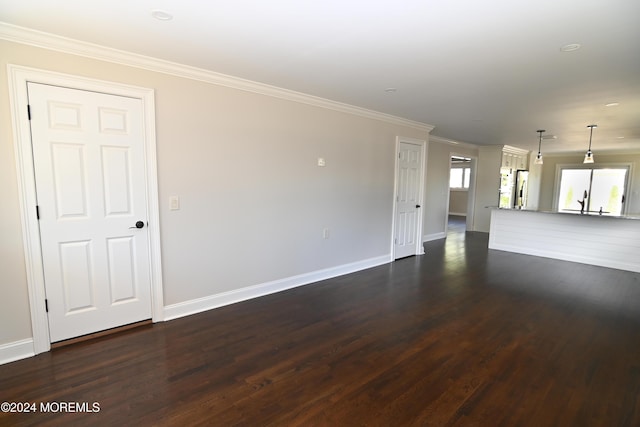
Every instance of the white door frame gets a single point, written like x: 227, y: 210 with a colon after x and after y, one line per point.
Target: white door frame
x: 18, y: 78
x: 423, y: 167
x: 471, y: 195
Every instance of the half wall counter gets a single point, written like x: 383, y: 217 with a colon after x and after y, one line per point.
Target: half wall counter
x: 594, y: 239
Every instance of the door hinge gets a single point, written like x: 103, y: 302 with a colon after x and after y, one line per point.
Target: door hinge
x: 46, y: 305
x: 37, y: 212
x: 395, y: 241
x: 29, y: 111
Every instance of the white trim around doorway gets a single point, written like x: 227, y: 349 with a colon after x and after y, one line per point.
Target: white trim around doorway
x: 419, y: 248
x: 18, y: 78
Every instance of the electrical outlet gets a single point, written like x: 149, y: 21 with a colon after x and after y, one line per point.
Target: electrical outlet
x: 325, y: 233
x: 321, y: 162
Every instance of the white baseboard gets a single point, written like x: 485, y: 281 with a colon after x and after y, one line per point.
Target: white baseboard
x: 434, y: 236
x: 16, y: 350
x: 199, y: 305
x: 565, y: 256
x: 458, y: 214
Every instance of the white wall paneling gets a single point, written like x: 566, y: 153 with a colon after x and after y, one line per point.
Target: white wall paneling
x: 589, y: 239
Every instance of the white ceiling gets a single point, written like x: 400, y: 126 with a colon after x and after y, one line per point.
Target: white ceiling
x: 485, y: 72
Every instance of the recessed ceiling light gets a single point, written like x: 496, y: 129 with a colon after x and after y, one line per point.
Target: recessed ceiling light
x: 391, y: 90
x: 161, y: 15
x: 612, y: 104
x: 570, y: 47
x: 620, y: 137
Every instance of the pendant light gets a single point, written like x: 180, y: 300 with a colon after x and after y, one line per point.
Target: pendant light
x: 588, y: 157
x: 538, y: 160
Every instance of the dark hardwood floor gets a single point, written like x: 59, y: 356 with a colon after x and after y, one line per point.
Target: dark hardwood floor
x: 461, y: 336
x: 456, y: 224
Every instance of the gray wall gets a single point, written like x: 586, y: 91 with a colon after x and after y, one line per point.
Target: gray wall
x: 253, y: 201
x: 488, y: 183
x: 458, y: 201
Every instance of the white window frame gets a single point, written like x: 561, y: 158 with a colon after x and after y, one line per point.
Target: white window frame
x: 463, y: 166
x: 628, y: 180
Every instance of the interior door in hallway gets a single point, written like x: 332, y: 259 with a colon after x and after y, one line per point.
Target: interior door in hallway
x: 88, y: 153
x: 408, y: 200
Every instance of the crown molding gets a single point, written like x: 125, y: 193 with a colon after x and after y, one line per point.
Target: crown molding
x: 515, y: 150
x: 441, y: 140
x: 57, y: 43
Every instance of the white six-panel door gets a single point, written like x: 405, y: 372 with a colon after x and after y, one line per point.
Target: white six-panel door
x: 89, y: 163
x: 408, y: 182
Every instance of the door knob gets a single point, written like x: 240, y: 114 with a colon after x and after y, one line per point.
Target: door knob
x: 417, y: 206
x: 139, y: 224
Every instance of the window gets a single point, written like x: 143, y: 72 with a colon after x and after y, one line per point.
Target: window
x: 460, y: 173
x: 592, y: 190
x: 459, y: 178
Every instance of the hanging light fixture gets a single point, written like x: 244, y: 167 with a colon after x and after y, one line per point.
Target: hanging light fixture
x: 588, y: 157
x: 538, y: 160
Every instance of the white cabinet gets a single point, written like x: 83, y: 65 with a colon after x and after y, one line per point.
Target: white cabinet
x: 515, y: 161
x: 506, y: 160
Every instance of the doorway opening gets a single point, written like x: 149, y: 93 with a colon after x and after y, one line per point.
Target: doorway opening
x: 461, y: 194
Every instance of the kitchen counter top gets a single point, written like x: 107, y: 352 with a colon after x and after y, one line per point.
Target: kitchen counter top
x: 576, y: 214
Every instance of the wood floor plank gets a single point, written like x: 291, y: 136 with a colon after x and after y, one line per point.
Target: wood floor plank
x: 461, y: 336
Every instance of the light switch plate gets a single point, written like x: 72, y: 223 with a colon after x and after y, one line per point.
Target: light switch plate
x: 174, y: 203
x: 321, y: 161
